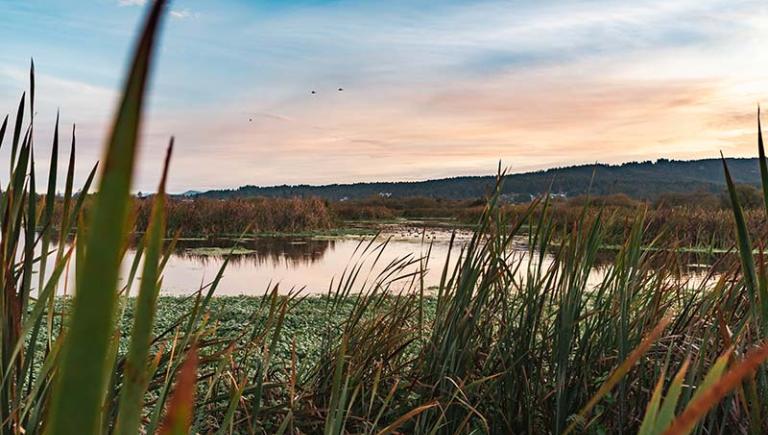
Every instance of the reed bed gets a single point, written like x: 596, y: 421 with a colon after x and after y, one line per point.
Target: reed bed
x: 202, y: 217
x: 701, y: 223
x: 689, y: 227
x: 507, y: 343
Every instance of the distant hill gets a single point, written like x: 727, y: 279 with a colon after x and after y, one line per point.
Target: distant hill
x: 642, y: 180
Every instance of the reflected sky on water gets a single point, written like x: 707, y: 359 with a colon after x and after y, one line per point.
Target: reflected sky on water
x: 312, y: 264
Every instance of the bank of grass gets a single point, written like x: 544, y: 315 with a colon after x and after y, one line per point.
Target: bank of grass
x: 699, y: 220
x: 507, y: 343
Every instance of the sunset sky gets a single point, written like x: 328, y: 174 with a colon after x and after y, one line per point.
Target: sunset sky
x: 430, y: 88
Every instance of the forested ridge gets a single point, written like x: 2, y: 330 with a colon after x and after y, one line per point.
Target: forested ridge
x: 640, y: 180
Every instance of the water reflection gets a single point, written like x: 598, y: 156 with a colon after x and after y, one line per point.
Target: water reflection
x: 293, y: 263
x: 685, y: 263
x: 272, y: 251
x: 312, y: 263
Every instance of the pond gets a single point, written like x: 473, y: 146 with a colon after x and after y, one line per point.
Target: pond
x: 314, y: 264
x: 310, y: 264
x: 292, y: 263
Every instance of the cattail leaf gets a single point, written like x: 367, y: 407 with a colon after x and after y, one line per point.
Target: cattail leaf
x: 2, y: 129
x: 759, y: 301
x: 77, y: 395
x: 17, y: 131
x: 763, y: 163
x: 135, y: 368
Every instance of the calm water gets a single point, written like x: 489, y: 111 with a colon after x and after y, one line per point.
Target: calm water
x: 291, y: 263
x: 301, y: 263
x: 295, y: 263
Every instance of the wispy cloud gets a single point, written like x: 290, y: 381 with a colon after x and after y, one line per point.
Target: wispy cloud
x: 131, y: 2
x: 444, y: 90
x: 178, y: 14
x: 183, y: 14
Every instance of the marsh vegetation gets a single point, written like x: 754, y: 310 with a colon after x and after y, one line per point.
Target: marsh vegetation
x: 504, y: 343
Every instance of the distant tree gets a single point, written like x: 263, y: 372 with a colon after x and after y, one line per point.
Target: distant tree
x: 699, y: 199
x: 748, y: 195
x: 615, y: 200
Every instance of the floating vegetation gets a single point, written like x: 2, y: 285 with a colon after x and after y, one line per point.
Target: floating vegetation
x: 213, y: 251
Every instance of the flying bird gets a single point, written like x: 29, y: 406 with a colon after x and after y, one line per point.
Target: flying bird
x: 313, y: 92
x: 341, y: 89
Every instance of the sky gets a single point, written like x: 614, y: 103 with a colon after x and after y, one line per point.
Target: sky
x: 430, y: 88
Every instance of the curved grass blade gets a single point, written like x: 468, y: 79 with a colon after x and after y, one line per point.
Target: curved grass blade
x: 78, y: 392
x: 392, y: 428
x: 758, y: 300
x: 763, y: 164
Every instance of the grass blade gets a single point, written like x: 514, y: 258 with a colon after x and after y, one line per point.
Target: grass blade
x: 707, y: 398
x: 763, y: 164
x: 77, y: 395
x: 135, y: 369
x: 667, y: 412
x: 759, y: 302
x: 178, y: 418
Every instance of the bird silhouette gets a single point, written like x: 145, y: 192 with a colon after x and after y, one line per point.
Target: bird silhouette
x: 341, y: 89
x: 313, y: 92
